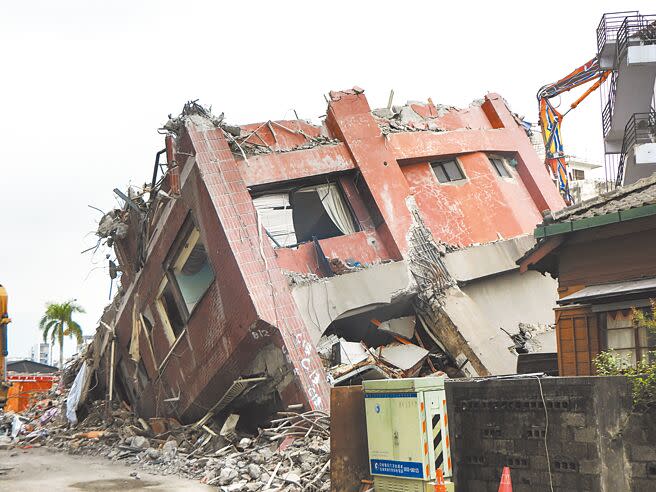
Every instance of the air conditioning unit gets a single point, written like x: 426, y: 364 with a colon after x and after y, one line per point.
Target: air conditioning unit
x: 408, y: 433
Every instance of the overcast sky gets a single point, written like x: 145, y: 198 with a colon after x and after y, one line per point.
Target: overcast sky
x: 85, y: 85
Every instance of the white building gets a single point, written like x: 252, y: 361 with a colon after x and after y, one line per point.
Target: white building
x: 584, y: 183
x: 41, y: 352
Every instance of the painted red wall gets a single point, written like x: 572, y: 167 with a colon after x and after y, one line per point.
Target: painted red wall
x: 475, y: 210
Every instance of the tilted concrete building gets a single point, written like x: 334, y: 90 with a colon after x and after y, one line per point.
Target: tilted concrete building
x: 260, y: 239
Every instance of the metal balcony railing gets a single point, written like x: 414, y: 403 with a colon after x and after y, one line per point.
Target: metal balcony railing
x: 635, y: 30
x: 608, y: 27
x: 626, y: 30
x: 640, y: 129
x: 607, y: 113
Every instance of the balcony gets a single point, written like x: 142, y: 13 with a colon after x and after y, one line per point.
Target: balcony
x: 631, y: 87
x: 607, y: 36
x: 638, y: 158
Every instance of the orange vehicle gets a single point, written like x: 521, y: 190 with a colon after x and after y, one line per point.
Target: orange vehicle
x: 4, y: 322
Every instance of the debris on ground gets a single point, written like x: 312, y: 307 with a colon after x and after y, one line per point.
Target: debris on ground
x: 291, y: 453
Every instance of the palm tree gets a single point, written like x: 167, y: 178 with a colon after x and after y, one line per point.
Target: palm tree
x: 58, y: 323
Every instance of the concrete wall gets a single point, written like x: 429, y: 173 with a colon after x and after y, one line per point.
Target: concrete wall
x: 513, y: 298
x: 593, y: 444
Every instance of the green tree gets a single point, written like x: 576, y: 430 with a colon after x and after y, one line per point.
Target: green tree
x: 642, y: 374
x: 58, y: 323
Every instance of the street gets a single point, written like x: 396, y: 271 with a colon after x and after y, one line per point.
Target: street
x: 39, y: 469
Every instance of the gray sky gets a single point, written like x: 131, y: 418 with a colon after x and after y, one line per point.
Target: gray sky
x: 86, y: 84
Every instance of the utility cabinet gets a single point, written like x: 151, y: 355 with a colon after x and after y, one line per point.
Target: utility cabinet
x: 408, y: 433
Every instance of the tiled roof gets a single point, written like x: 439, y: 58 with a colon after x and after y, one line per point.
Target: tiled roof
x: 636, y: 195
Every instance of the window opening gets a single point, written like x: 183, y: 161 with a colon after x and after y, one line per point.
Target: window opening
x: 500, y: 167
x: 629, y: 341
x: 192, y: 270
x: 579, y: 174
x: 447, y: 171
x: 169, y: 312
x: 304, y: 213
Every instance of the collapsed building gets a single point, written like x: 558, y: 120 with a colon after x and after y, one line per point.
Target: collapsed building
x: 262, y: 255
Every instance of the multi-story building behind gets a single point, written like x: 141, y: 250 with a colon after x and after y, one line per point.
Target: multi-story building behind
x: 626, y: 45
x: 584, y: 181
x: 86, y: 339
x: 41, y: 353
x: 261, y: 240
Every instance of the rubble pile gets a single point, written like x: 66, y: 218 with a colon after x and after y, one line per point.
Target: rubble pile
x: 291, y: 454
x: 254, y: 148
x: 407, y: 119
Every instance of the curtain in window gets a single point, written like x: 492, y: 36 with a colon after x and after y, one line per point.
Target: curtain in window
x: 336, y: 208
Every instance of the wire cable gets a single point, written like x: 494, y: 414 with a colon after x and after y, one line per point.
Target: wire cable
x: 546, y: 433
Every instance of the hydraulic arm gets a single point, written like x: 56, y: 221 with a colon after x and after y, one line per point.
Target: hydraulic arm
x: 4, y: 321
x: 551, y: 119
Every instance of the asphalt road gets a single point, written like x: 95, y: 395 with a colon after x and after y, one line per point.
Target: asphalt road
x: 40, y: 469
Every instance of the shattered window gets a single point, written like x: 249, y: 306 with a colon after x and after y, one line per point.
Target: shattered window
x: 192, y: 270
x: 300, y: 214
x: 500, y: 167
x: 168, y: 310
x: 447, y: 171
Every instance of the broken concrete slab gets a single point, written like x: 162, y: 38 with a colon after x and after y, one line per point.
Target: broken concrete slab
x: 404, y: 326
x: 320, y: 303
x: 483, y: 260
x: 351, y: 352
x: 403, y: 356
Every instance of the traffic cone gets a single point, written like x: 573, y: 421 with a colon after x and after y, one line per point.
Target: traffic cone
x: 440, y: 486
x: 505, y: 485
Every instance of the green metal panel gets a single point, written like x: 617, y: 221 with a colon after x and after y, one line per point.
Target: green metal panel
x: 596, y: 221
x: 559, y: 228
x: 636, y: 213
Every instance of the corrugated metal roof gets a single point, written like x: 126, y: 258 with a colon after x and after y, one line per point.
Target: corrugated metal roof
x: 603, y: 291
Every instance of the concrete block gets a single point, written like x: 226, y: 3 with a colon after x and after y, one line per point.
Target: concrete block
x: 593, y: 451
x: 504, y: 446
x: 638, y: 469
x: 643, y: 485
x: 642, y: 453
x: 588, y: 434
x: 589, y: 467
x: 574, y: 419
x: 578, y: 450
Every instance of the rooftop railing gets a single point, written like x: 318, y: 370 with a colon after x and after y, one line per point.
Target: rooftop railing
x: 608, y: 27
x: 635, y: 30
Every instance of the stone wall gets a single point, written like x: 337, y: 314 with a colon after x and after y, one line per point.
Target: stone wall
x: 594, y: 442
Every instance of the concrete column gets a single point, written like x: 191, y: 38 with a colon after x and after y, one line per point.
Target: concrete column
x: 350, y: 119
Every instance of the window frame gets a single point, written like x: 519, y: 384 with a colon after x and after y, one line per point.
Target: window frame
x: 169, y: 332
x: 579, y: 177
x: 186, y: 232
x: 441, y: 163
x: 291, y: 189
x: 639, y: 351
x: 504, y: 165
